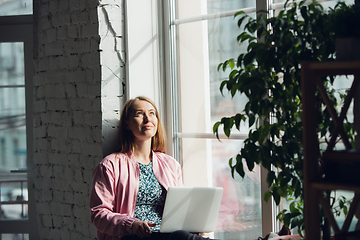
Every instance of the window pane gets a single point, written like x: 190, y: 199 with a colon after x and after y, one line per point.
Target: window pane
x: 209, y: 7
x: 17, y: 236
x: 15, y: 7
x: 202, y: 45
x: 214, y: 6
x: 240, y: 211
x: 13, y: 183
x: 12, y: 63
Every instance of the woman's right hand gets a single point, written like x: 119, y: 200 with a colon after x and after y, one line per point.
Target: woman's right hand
x: 142, y: 228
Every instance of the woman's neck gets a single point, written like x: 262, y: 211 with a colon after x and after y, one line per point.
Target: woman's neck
x: 142, y: 152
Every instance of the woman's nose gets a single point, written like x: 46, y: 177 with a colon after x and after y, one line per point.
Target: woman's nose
x: 146, y: 117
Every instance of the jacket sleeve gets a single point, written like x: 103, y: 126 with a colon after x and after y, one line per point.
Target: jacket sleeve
x: 103, y: 205
x: 179, y: 179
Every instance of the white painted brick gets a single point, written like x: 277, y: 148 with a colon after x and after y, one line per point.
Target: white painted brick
x: 44, y: 23
x: 46, y: 171
x: 60, y: 91
x: 44, y: 209
x: 40, y: 158
x: 91, y: 59
x: 39, y: 106
x: 80, y: 133
x: 63, y: 63
x: 79, y: 17
x: 44, y: 233
x: 40, y: 92
x: 44, y: 9
x: 58, y: 221
x: 53, y: 7
x: 67, y: 89
x: 75, y: 76
x: 41, y: 144
x: 94, y: 90
x: 70, y: 91
x: 58, y: 173
x: 74, y: 61
x: 76, y: 147
x: 63, y: 5
x: 53, y: 63
x: 50, y: 35
x: 76, y: 235
x: 74, y: 46
x: 60, y: 145
x: 43, y: 64
x: 58, y: 195
x: 46, y: 185
x: 80, y: 212
x: 78, y: 187
x: 67, y: 210
x: 55, y: 234
x: 59, y: 118
x: 58, y: 131
x: 68, y: 198
x: 87, y: 175
x: 73, y: 31
x: 81, y: 200
x: 47, y: 220
x: 81, y: 90
x: 77, y: 5
x: 41, y: 132
x: 93, y: 118
x: 89, y: 30
x: 50, y: 90
x: 55, y: 48
x: 57, y: 104
x: 61, y: 33
x: 62, y: 19
x: 64, y: 235
x: 79, y: 225
x: 92, y: 148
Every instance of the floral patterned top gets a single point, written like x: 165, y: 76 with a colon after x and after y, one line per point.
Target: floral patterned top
x: 151, y: 197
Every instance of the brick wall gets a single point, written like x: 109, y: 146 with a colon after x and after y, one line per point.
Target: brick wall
x: 76, y: 75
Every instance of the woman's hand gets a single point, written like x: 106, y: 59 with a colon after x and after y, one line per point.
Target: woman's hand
x: 142, y: 228
x: 200, y: 234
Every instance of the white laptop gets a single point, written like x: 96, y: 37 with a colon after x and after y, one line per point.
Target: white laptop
x: 193, y: 209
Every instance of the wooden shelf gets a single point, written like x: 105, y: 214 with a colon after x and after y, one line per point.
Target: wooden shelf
x: 334, y: 163
x: 334, y: 67
x: 333, y: 186
x: 343, y: 156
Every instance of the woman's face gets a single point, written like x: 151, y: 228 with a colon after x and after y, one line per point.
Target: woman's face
x: 142, y: 120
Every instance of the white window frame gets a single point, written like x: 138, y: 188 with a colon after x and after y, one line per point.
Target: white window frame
x: 166, y: 97
x: 269, y: 211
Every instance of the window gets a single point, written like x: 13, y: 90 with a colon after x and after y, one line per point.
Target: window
x: 203, y: 34
x: 18, y: 218
x: 15, y: 7
x: 183, y: 51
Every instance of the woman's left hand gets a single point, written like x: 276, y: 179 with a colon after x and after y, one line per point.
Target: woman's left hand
x: 142, y: 228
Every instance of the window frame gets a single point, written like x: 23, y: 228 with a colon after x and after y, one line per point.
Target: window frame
x: 268, y: 209
x: 20, y: 29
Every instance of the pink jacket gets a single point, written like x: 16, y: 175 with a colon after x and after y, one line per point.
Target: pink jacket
x: 115, y: 187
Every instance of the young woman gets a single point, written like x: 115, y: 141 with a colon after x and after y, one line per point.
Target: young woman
x: 129, y: 187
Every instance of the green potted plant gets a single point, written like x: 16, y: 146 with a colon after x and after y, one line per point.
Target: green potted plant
x: 269, y: 75
x: 345, y: 21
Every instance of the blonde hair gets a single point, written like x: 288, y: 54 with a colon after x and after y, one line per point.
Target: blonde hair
x: 126, y: 137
